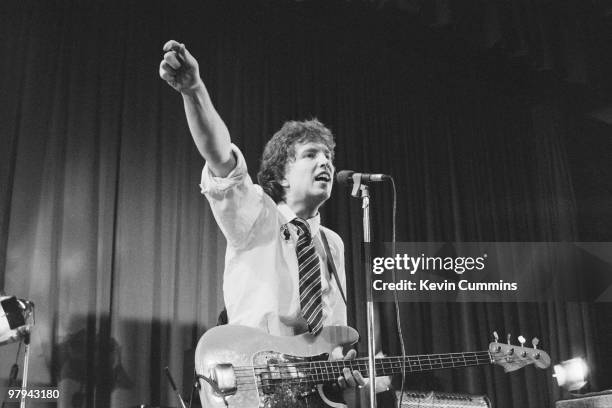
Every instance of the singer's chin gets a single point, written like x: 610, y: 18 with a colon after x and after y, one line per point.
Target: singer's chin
x: 320, y: 197
x: 326, y: 193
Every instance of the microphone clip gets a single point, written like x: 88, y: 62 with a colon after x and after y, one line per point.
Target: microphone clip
x: 357, y: 185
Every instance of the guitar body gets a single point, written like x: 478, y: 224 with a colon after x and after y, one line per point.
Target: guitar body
x: 242, y: 365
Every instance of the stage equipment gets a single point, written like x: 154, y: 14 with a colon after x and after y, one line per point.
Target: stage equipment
x: 360, y: 190
x: 348, y: 177
x: 571, y: 374
x: 601, y: 399
x: 14, y: 314
x: 16, y: 321
x: 432, y: 399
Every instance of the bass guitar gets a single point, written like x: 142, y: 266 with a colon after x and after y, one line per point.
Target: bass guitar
x: 242, y: 367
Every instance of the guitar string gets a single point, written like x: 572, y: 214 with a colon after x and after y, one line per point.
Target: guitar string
x: 321, y: 365
x: 253, y: 385
x: 287, y: 372
x: 417, y: 359
x: 424, y: 356
x: 414, y: 365
x: 289, y: 377
x: 317, y: 367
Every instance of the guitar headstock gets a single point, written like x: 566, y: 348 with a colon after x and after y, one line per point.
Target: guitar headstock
x: 512, y: 357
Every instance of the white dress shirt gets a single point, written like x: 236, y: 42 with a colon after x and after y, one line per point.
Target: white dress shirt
x: 260, y: 282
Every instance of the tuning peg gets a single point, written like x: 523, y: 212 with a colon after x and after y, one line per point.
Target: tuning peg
x: 535, y: 342
x: 495, y: 336
x: 508, y: 337
x: 522, y: 340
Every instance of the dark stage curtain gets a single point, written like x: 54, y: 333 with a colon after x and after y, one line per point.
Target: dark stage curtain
x: 103, y: 227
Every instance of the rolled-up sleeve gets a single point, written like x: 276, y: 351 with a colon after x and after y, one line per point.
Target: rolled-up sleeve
x: 235, y: 201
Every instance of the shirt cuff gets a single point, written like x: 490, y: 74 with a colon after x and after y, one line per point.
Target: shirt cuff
x: 211, y: 184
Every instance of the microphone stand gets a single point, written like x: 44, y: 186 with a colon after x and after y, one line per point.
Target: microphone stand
x: 361, y: 191
x: 26, y: 364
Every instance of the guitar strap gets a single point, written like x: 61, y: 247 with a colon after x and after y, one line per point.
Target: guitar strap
x: 331, y: 266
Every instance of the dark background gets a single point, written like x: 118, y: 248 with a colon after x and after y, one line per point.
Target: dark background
x: 493, y: 116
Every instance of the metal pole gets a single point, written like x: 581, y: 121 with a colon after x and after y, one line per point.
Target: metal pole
x: 365, y: 197
x: 26, y: 363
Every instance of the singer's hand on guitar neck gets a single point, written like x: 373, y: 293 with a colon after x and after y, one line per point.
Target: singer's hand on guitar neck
x: 354, y: 385
x: 351, y: 379
x: 351, y: 382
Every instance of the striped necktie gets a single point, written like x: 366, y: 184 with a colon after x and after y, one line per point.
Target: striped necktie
x: 310, y: 278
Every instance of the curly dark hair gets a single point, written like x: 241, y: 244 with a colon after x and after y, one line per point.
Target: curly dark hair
x: 280, y: 149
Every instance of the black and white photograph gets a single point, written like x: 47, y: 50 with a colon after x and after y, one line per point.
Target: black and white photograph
x: 306, y: 203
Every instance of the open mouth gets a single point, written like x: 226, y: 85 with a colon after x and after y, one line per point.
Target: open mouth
x: 323, y: 177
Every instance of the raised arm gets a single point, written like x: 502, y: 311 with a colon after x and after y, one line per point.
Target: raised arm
x: 181, y: 71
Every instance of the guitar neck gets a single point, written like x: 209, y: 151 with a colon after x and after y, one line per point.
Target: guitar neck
x: 329, y: 371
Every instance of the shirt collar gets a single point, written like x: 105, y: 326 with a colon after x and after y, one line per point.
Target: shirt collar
x: 314, y: 223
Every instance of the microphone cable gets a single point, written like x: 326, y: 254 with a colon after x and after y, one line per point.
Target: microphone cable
x: 398, y: 319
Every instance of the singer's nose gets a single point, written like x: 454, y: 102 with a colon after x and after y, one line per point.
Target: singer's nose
x: 322, y: 159
x: 327, y: 164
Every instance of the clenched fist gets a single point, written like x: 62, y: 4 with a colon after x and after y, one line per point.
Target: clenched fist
x: 179, y: 68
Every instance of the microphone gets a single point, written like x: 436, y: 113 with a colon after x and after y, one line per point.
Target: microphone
x: 347, y: 177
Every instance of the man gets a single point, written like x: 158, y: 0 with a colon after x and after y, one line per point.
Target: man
x: 267, y: 285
